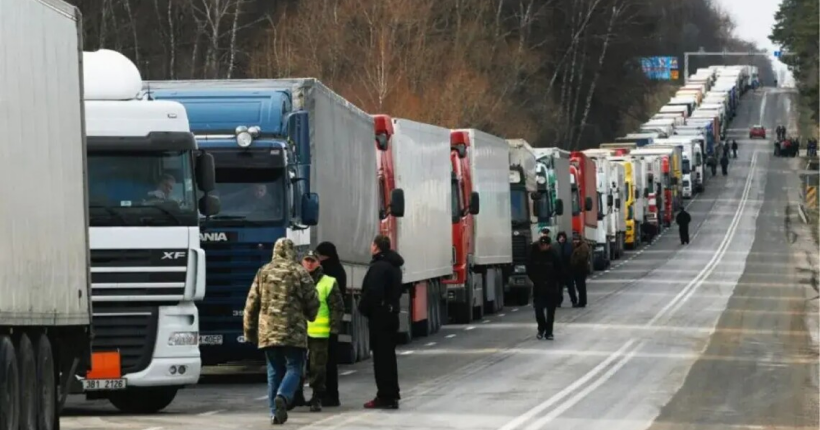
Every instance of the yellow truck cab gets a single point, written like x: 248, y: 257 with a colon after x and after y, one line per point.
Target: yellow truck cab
x: 629, y: 213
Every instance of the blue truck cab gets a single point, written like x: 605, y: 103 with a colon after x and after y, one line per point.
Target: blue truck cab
x: 261, y: 151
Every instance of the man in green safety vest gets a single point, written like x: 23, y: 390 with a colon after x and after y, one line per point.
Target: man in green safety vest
x: 328, y: 320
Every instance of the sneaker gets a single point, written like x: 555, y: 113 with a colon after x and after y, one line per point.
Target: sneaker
x: 280, y: 415
x: 315, y: 405
x: 549, y: 337
x: 539, y: 336
x: 331, y: 402
x: 378, y: 403
x: 275, y: 421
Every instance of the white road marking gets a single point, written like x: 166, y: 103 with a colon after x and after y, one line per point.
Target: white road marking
x: 407, y: 352
x: 347, y: 372
x: 501, y: 315
x: 450, y: 336
x: 485, y: 321
x: 154, y: 428
x: 265, y: 397
x: 209, y: 413
x: 430, y: 344
x: 469, y: 328
x: 515, y: 310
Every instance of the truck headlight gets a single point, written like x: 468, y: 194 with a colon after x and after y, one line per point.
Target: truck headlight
x: 244, y: 139
x: 520, y: 269
x: 183, y: 338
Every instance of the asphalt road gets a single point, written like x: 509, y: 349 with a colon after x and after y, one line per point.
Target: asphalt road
x: 718, y: 334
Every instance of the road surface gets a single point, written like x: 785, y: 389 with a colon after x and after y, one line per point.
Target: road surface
x: 718, y: 334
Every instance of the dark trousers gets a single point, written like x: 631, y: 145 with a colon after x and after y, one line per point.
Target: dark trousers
x: 332, y: 370
x: 544, y: 313
x: 383, y: 328
x: 684, y: 234
x: 569, y: 284
x: 581, y: 286
x: 317, y: 365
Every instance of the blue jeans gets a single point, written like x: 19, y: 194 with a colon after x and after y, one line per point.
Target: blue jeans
x: 285, y: 367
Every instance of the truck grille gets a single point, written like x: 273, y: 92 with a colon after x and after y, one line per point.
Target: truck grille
x: 521, y: 247
x: 153, y: 274
x: 129, y: 328
x: 230, y: 268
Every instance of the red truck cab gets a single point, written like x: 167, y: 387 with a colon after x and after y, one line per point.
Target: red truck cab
x: 667, y: 190
x: 465, y: 205
x: 386, y: 176
x: 583, y: 171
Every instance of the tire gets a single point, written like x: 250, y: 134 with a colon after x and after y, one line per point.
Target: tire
x: 29, y: 388
x: 464, y: 311
x: 47, y: 394
x: 143, y: 400
x: 9, y: 386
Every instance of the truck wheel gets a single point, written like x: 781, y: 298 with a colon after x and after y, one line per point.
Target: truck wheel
x: 9, y: 386
x: 143, y: 400
x: 464, y: 311
x: 27, y: 368
x: 47, y: 393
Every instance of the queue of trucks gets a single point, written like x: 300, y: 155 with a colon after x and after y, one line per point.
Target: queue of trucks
x: 173, y: 193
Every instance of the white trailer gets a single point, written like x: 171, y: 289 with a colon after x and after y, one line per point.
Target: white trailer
x: 619, y: 196
x: 492, y: 229
x: 45, y: 315
x: 606, y: 238
x: 421, y: 166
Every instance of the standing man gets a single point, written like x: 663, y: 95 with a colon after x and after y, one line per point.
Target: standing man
x: 682, y: 220
x: 332, y: 266
x: 328, y: 320
x: 544, y: 270
x: 381, y: 291
x: 281, y: 301
x: 579, y: 265
x: 564, y: 250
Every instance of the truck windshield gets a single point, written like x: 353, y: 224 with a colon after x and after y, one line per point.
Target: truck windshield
x: 685, y: 166
x: 545, y: 205
x: 135, y: 189
x: 576, y: 201
x: 250, y: 195
x: 519, y: 205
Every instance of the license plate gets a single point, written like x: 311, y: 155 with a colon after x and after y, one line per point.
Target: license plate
x: 104, y: 384
x: 210, y: 339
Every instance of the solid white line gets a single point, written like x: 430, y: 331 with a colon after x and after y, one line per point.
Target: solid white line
x: 526, y: 416
x: 585, y: 392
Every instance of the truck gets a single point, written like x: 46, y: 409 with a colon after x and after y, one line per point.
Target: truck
x: 639, y: 139
x: 691, y: 160
x: 607, y: 235
x: 481, y: 239
x: 413, y: 167
x: 523, y: 193
x: 676, y: 167
x: 298, y: 140
x: 556, y: 166
x: 148, y: 182
x: 586, y: 202
x: 45, y: 316
x: 690, y: 102
x: 660, y: 171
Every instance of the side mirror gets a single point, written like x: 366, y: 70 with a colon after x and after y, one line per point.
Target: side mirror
x: 535, y: 195
x: 637, y: 194
x: 461, y: 150
x: 474, y: 203
x: 536, y: 210
x: 608, y: 200
x: 646, y: 192
x: 397, y: 203
x: 205, y: 174
x: 310, y: 209
x: 588, y: 204
x: 559, y: 207
x: 382, y: 141
x: 618, y: 203
x: 209, y: 205
x: 600, y: 216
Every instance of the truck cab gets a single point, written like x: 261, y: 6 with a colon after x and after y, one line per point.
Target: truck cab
x: 147, y: 180
x: 462, y: 294
x: 524, y: 212
x: 554, y: 162
x: 586, y: 199
x: 261, y: 149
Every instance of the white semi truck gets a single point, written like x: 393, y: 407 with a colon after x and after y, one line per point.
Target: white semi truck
x: 45, y: 309
x: 145, y: 178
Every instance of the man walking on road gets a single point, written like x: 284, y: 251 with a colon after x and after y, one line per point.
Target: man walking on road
x: 381, y: 291
x: 544, y: 270
x: 281, y: 301
x: 682, y: 220
x: 332, y: 266
x: 579, y: 265
x: 564, y: 250
x: 328, y: 320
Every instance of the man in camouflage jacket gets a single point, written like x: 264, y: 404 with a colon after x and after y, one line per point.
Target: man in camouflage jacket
x: 281, y: 301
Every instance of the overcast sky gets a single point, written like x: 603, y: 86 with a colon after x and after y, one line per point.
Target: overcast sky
x: 754, y: 20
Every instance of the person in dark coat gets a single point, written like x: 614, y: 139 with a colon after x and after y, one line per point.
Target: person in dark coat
x: 543, y: 269
x: 331, y: 265
x: 564, y: 250
x: 379, y: 302
x: 734, y: 148
x: 682, y: 220
x: 724, y: 164
x: 579, y: 265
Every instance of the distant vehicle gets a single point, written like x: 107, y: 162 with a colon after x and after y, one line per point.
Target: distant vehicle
x: 757, y: 131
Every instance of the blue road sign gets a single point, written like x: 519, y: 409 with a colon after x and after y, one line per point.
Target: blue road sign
x: 777, y: 54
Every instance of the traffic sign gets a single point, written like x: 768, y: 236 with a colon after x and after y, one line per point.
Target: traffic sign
x: 777, y: 54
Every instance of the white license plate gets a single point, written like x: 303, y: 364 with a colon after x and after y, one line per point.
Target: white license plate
x: 104, y: 384
x: 210, y: 339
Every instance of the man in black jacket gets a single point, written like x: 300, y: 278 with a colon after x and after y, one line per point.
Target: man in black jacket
x: 332, y: 267
x: 544, y: 270
x: 381, y: 291
x: 682, y: 220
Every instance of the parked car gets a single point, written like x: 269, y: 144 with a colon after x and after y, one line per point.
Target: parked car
x: 757, y: 131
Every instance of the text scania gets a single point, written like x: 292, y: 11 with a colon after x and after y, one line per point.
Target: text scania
x: 213, y: 237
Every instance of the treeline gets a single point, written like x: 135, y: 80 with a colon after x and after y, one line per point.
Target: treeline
x: 797, y: 30
x: 555, y: 72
